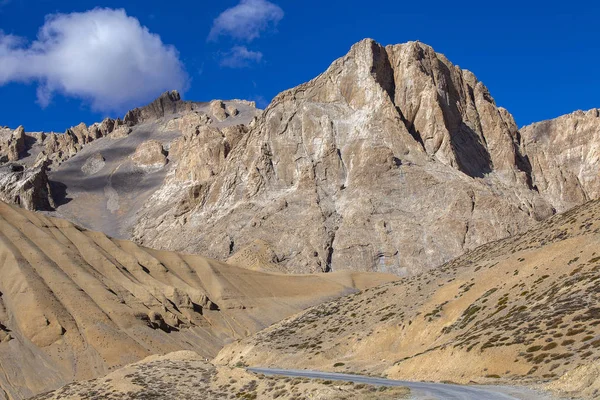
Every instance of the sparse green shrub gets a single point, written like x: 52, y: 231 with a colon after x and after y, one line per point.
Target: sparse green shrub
x: 550, y: 346
x: 533, y: 349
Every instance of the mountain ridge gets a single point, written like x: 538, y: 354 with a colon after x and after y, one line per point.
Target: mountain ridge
x: 300, y: 173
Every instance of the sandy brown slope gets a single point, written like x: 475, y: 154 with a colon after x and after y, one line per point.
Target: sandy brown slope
x: 524, y: 308
x: 75, y: 304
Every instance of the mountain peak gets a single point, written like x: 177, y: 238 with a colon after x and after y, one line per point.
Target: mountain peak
x: 172, y: 95
x: 167, y: 103
x: 397, y: 125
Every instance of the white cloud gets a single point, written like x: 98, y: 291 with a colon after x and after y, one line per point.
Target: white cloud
x: 240, y: 57
x: 247, y: 20
x: 102, y: 56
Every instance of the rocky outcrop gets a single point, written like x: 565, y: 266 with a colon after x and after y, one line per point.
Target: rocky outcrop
x: 392, y: 160
x: 120, y: 132
x: 217, y: 108
x: 232, y: 111
x: 26, y: 187
x: 17, y: 145
x: 201, y: 155
x: 565, y: 157
x: 150, y: 155
x: 188, y: 123
x: 12, y: 144
x: 168, y: 103
x: 93, y: 164
x: 61, y: 147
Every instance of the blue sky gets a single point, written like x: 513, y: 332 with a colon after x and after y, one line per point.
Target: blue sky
x: 539, y: 59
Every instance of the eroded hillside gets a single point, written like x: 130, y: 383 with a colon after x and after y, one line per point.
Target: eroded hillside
x: 76, y: 304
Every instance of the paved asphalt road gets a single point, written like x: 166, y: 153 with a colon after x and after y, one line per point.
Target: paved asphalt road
x: 421, y: 390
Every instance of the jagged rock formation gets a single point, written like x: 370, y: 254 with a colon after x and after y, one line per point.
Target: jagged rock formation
x: 28, y: 188
x: 26, y: 158
x: 12, y: 144
x: 167, y: 103
x: 170, y: 103
x: 392, y: 160
x: 75, y: 304
x: 565, y: 154
x: 61, y: 147
x: 520, y: 310
x: 173, y: 152
x: 28, y: 149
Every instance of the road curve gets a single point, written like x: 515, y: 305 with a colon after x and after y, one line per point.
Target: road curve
x: 419, y: 390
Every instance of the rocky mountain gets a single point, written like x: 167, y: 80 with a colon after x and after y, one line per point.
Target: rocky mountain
x: 99, y: 176
x: 347, y: 172
x: 519, y: 310
x: 26, y: 157
x: 393, y: 160
x: 565, y: 155
x: 107, y: 183
x: 76, y: 304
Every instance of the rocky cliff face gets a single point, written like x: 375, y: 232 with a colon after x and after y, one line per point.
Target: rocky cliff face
x: 393, y: 159
x: 108, y: 180
x: 565, y: 157
x: 12, y: 144
x: 28, y: 188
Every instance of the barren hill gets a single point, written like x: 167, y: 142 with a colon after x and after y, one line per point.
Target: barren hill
x: 521, y: 309
x: 76, y: 304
